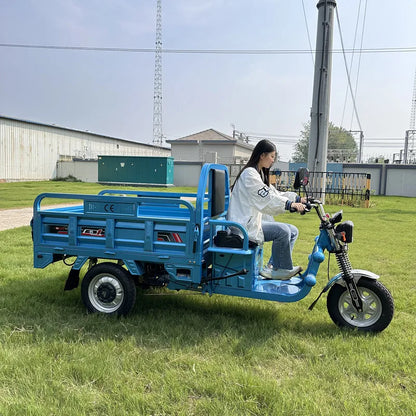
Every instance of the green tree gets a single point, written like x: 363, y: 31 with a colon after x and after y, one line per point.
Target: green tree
x: 341, y: 145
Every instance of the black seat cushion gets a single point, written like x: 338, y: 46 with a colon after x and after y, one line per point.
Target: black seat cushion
x: 229, y: 239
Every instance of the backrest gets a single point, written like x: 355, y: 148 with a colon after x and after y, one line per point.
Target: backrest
x: 218, y: 192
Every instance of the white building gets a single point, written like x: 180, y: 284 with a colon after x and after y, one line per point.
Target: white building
x: 208, y: 146
x: 34, y: 151
x: 211, y: 146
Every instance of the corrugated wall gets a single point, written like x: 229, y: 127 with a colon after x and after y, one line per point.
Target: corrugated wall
x: 30, y: 151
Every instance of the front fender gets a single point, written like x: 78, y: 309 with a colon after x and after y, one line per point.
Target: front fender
x: 356, y: 273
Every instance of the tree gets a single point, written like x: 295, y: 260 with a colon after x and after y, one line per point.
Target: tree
x: 341, y: 145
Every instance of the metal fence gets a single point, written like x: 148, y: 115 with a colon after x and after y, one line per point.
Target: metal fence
x: 339, y: 189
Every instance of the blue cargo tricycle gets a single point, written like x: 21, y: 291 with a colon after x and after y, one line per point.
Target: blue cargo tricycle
x: 182, y: 241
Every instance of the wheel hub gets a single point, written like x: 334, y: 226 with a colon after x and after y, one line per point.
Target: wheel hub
x: 371, y: 308
x: 106, y: 293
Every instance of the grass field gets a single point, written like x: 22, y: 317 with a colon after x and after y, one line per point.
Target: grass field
x: 22, y: 194
x: 181, y: 354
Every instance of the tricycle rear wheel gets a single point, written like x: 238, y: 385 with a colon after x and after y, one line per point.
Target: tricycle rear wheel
x: 108, y: 288
x: 378, y: 306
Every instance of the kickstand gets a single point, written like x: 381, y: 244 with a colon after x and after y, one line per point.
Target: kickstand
x: 316, y: 300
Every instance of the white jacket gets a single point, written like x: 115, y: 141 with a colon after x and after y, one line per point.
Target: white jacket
x: 250, y: 198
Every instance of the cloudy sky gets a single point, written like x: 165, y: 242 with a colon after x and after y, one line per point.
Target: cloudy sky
x: 262, y: 94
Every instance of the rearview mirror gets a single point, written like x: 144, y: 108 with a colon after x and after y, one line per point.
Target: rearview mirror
x: 301, y: 178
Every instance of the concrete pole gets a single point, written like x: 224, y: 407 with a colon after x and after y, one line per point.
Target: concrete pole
x: 318, y: 139
x: 406, y: 148
x: 360, y: 154
x: 360, y: 149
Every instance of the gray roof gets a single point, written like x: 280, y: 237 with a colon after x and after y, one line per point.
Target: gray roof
x: 210, y: 135
x: 81, y: 131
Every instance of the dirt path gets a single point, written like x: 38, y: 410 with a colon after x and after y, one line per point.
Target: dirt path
x: 13, y: 218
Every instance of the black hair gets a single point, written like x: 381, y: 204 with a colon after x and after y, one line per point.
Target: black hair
x: 263, y: 146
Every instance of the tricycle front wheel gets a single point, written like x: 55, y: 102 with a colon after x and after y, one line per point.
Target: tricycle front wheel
x: 108, y: 288
x: 378, y: 306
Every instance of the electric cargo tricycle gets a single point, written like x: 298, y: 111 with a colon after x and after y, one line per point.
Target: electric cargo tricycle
x: 182, y: 241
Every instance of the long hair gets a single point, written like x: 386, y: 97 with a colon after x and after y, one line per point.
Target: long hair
x: 263, y: 146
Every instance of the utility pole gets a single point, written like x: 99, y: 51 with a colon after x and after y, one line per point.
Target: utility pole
x: 406, y: 148
x: 318, y: 139
x: 157, y: 86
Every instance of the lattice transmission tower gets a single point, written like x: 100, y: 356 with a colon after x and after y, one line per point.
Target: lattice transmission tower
x: 413, y: 108
x: 157, y: 85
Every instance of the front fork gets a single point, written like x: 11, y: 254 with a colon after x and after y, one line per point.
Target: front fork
x: 345, y: 268
x: 347, y: 275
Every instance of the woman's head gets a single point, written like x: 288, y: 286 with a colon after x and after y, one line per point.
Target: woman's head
x: 262, y: 158
x: 263, y: 155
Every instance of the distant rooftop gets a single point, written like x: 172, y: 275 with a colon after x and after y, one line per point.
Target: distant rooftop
x: 210, y: 135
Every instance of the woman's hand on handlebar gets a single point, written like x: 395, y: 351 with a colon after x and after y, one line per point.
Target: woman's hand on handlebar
x: 297, y: 207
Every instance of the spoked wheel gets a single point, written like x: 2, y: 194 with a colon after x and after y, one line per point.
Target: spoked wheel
x: 108, y: 288
x: 378, y: 306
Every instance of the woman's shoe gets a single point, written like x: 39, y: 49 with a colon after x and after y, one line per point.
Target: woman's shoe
x: 279, y: 274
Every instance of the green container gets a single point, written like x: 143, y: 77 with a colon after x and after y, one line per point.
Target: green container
x: 152, y: 170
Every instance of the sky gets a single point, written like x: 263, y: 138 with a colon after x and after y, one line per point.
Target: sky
x: 110, y: 92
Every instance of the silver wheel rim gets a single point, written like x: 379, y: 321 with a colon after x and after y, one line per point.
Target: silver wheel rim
x: 105, y: 293
x: 372, y: 308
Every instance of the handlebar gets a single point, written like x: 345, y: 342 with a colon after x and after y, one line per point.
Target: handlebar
x: 311, y: 203
x: 307, y: 206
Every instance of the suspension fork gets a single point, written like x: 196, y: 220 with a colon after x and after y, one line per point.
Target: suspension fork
x: 345, y: 268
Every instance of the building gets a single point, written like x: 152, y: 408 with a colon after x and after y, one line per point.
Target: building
x: 35, y: 151
x: 208, y: 146
x: 211, y: 146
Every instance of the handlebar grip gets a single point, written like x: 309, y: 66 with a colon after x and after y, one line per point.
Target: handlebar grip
x: 308, y: 207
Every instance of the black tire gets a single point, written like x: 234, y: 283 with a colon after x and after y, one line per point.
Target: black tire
x: 108, y: 288
x: 378, y: 306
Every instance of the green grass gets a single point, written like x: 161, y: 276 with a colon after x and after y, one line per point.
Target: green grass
x: 22, y: 194
x: 181, y: 354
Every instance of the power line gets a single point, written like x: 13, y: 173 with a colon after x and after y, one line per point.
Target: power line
x: 351, y: 63
x: 274, y: 139
x: 307, y: 32
x: 266, y: 135
x: 360, y: 54
x: 298, y: 136
x: 348, y: 74
x: 404, y: 49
